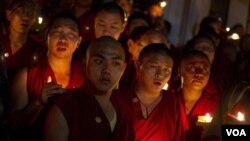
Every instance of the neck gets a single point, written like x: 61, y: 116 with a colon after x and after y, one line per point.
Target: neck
x: 60, y: 66
x: 147, y: 97
x: 191, y: 94
x: 17, y: 39
x: 103, y: 100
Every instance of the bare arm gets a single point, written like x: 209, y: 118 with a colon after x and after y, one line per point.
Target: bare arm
x: 55, y: 127
x: 22, y: 113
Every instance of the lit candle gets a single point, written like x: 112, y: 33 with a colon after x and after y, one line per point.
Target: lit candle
x: 240, y: 116
x: 205, y: 119
x: 49, y: 79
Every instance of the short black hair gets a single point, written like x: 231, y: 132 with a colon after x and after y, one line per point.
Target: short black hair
x: 138, y: 32
x: 190, y: 44
x: 65, y: 15
x: 14, y: 4
x: 112, y: 7
x: 138, y: 15
x: 155, y: 48
x: 190, y: 53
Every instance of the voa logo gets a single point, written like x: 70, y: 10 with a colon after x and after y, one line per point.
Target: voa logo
x: 236, y: 132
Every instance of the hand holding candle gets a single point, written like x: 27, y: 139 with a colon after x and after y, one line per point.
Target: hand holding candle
x: 240, y: 117
x: 205, y: 119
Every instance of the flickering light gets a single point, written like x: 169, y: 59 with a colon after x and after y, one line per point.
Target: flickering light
x: 163, y: 4
x: 165, y: 87
x: 228, y: 29
x: 207, y: 118
x: 40, y: 20
x: 240, y: 116
x: 49, y: 79
x: 234, y: 36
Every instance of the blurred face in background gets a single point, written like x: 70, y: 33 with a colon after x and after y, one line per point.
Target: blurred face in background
x: 108, y: 24
x: 206, y: 46
x: 21, y: 18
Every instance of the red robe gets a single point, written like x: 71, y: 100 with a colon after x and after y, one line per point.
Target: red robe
x: 38, y: 76
x: 206, y: 104
x: 30, y: 53
x: 87, y: 122
x: 163, y: 124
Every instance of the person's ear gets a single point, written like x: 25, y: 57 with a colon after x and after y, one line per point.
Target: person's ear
x: 79, y: 41
x: 137, y: 65
x: 8, y: 15
x: 130, y: 44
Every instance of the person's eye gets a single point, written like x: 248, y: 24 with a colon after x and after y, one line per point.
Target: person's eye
x: 166, y: 70
x: 115, y: 27
x: 101, y: 24
x: 117, y: 63
x: 55, y: 33
x: 72, y: 36
x: 191, y: 68
x: 97, y: 61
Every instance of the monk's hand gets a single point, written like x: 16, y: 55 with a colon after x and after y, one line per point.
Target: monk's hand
x: 49, y: 90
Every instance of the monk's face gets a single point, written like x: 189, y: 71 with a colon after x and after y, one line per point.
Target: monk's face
x: 206, y: 46
x: 63, y: 38
x: 108, y: 24
x: 154, y: 71
x: 105, y: 66
x: 21, y: 18
x: 195, y: 71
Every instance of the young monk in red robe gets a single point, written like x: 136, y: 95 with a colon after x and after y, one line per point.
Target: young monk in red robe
x: 196, y: 101
x: 91, y: 113
x: 155, y: 112
x: 34, y: 86
x: 19, y: 48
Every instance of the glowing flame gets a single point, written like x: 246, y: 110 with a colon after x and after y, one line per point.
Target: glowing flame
x: 234, y: 36
x: 205, y: 119
x: 163, y: 4
x: 227, y: 29
x: 208, y: 118
x: 40, y: 20
x: 240, y: 116
x: 165, y: 87
x: 49, y: 79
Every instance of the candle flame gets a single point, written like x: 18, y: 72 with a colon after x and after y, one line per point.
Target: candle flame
x: 49, y: 79
x: 240, y: 116
x: 208, y: 118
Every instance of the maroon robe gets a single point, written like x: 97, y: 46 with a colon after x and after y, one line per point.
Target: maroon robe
x: 30, y: 53
x: 38, y: 76
x: 163, y: 124
x: 207, y: 103
x: 87, y: 122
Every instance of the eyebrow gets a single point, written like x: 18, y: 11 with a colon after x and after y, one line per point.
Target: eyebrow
x: 70, y: 27
x: 103, y: 57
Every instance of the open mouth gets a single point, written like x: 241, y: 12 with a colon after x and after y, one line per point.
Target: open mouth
x: 105, y: 81
x: 157, y: 83
x: 61, y: 48
x: 197, y: 81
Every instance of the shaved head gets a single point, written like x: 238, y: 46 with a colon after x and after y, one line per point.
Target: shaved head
x: 105, y: 42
